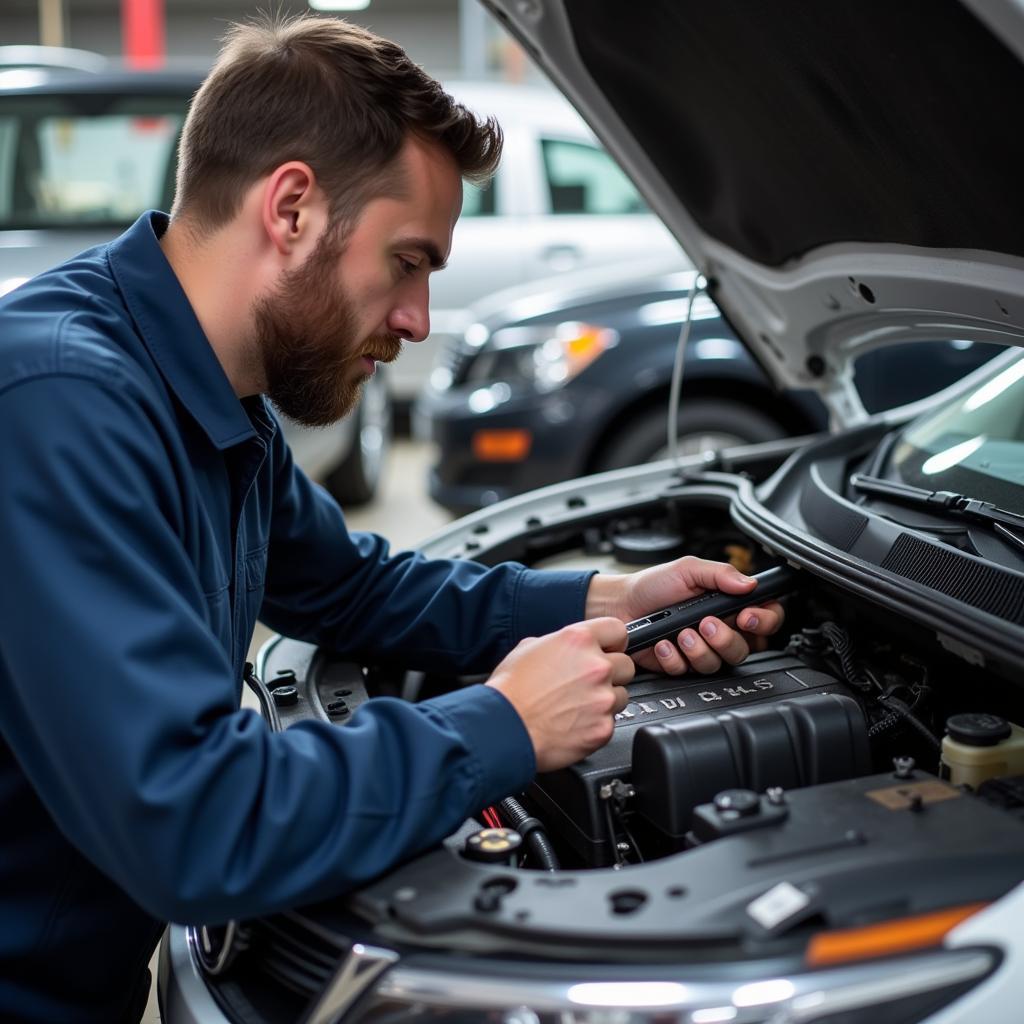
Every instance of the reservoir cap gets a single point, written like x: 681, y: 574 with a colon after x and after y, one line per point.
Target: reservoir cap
x: 978, y: 729
x: 648, y: 546
x: 492, y: 845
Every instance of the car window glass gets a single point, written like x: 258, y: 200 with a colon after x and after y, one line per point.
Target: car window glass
x: 972, y: 445
x: 70, y: 169
x: 584, y: 179
x: 478, y: 200
x: 897, y: 374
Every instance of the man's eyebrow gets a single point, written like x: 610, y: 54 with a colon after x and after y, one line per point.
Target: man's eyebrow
x: 427, y: 247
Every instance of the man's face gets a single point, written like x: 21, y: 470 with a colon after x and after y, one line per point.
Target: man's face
x: 355, y: 299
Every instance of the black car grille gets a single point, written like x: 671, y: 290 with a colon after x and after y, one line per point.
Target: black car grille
x: 290, y: 951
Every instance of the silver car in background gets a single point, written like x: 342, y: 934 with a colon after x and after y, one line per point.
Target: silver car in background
x: 84, y: 149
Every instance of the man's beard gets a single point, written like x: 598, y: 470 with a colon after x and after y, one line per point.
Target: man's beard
x: 306, y: 337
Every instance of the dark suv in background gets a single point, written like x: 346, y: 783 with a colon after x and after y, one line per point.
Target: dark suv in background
x: 573, y: 377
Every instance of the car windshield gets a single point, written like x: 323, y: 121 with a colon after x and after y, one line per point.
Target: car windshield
x: 85, y: 162
x: 973, y: 446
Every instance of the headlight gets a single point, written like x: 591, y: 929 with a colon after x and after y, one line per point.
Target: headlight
x: 856, y: 994
x: 546, y: 356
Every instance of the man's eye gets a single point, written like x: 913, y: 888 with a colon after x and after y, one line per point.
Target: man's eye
x: 407, y: 266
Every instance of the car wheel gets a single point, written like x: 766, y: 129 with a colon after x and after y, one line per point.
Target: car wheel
x: 355, y: 479
x: 704, y: 424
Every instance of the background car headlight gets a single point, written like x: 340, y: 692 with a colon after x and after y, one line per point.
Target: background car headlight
x: 546, y: 356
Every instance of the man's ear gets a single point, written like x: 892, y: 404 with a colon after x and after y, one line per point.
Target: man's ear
x: 293, y: 208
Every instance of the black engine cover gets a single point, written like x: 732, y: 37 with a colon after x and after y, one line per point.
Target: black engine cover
x: 569, y: 800
x: 804, y: 740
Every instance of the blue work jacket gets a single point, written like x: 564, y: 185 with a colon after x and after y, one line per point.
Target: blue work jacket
x: 147, y: 517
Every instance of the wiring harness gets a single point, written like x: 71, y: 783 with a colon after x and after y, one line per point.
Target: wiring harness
x: 900, y: 701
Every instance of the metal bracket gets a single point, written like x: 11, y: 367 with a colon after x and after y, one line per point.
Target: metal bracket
x: 362, y: 966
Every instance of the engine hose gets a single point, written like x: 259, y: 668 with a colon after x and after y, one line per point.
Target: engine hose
x: 262, y: 691
x: 532, y: 832
x: 840, y: 641
x: 899, y: 708
x: 884, y: 724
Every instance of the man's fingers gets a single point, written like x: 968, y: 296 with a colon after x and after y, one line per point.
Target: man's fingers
x: 670, y: 661
x: 610, y: 633
x: 714, y: 641
x: 727, y: 643
x: 646, y: 660
x: 623, y: 668
x: 762, y: 621
x: 697, y: 652
x: 705, y: 575
x: 621, y: 699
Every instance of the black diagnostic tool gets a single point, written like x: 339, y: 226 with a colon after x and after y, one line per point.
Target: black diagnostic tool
x: 668, y: 623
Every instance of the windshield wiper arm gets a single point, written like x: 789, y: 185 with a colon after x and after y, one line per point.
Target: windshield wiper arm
x: 1004, y: 522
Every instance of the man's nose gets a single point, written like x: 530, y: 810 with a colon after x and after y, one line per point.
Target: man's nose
x: 410, y: 319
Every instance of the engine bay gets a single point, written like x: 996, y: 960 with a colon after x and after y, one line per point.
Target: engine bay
x: 824, y: 748
x: 865, y: 769
x: 847, y: 691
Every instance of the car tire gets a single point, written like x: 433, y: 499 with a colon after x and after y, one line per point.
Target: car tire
x: 354, y: 481
x: 704, y: 423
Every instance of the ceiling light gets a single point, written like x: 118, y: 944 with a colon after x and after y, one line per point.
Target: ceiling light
x: 339, y: 5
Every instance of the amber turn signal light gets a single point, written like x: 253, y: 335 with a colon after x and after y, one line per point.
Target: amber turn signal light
x: 502, y: 445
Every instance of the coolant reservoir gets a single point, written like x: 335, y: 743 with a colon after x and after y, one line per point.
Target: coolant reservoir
x: 977, y: 747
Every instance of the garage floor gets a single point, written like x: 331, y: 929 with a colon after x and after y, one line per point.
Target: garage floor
x: 405, y: 515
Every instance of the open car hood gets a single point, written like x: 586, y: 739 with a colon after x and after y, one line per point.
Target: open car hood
x: 844, y: 175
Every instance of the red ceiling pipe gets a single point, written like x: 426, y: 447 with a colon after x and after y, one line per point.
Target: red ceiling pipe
x: 142, y: 33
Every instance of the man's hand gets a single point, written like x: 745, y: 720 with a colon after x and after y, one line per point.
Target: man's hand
x: 703, y: 649
x: 566, y: 687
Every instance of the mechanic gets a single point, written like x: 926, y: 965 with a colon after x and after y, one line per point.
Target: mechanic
x: 150, y: 510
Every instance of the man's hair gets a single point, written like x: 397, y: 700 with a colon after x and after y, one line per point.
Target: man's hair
x: 325, y: 92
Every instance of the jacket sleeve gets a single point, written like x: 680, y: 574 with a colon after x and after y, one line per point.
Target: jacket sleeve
x: 346, y: 591
x: 120, y: 706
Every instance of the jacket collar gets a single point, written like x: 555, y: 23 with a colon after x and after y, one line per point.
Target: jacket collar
x: 171, y: 332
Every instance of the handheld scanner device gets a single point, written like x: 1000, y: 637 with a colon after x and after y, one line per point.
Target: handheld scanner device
x: 669, y: 622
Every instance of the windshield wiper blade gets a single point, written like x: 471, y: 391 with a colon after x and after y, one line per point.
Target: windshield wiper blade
x: 957, y: 504
x: 1008, y: 535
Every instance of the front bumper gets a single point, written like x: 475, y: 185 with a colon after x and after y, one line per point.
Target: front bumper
x: 559, y: 426
x: 461, y: 498
x: 365, y: 986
